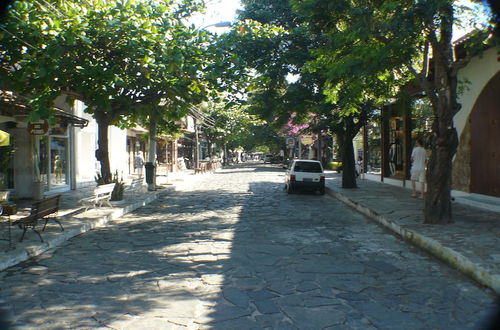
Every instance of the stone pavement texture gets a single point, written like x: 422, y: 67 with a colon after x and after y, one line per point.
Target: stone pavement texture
x: 75, y: 221
x: 235, y: 251
x: 471, y: 244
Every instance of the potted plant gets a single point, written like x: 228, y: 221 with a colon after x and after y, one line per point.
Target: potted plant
x: 117, y: 194
x: 6, y: 154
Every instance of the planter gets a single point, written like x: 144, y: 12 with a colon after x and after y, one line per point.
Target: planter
x: 38, y: 190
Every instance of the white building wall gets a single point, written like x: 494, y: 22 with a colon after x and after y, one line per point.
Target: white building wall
x: 472, y: 80
x: 86, y: 165
x: 118, y: 156
x: 86, y: 144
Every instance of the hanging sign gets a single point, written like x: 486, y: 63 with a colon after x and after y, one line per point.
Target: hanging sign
x: 4, y: 139
x: 38, y: 128
x: 307, y: 140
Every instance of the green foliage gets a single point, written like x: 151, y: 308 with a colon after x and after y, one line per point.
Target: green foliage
x: 127, y: 60
x: 263, y: 149
x: 6, y: 154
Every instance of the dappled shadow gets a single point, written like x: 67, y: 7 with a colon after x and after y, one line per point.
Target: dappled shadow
x: 125, y: 268
x: 237, y: 254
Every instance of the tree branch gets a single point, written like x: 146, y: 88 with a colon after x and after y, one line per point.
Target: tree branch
x: 426, y: 85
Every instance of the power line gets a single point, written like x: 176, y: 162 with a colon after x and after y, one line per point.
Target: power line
x: 50, y: 5
x: 18, y: 38
x: 202, y: 115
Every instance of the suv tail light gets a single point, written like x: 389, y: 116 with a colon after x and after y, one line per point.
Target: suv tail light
x: 292, y: 177
x: 322, y: 178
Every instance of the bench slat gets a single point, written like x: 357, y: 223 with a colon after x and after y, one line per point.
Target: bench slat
x: 40, y: 210
x: 102, y: 195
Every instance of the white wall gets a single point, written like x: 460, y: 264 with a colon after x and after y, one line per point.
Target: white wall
x: 85, y: 145
x: 475, y: 76
x: 118, y: 156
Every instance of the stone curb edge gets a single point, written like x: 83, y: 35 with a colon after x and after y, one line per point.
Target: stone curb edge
x: 87, y: 225
x: 447, y: 255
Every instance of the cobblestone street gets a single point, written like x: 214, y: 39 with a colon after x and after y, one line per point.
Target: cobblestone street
x: 235, y: 251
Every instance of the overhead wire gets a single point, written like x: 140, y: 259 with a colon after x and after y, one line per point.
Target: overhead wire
x: 203, y: 116
x: 50, y: 5
x: 20, y: 39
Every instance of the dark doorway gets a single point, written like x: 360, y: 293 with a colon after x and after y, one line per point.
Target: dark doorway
x: 485, y: 134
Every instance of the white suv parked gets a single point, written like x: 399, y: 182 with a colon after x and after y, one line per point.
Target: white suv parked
x: 305, y: 174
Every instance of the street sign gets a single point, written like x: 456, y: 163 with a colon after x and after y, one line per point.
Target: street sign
x: 290, y: 142
x: 307, y: 140
x: 38, y: 128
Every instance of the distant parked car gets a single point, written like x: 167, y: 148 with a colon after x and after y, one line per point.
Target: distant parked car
x: 268, y: 159
x: 335, y: 166
x: 305, y: 174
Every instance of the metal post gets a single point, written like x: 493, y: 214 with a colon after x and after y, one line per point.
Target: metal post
x: 300, y: 147
x: 196, y: 145
x: 152, y: 151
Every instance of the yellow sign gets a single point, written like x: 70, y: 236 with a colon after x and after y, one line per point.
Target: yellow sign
x: 4, y: 139
x: 307, y: 140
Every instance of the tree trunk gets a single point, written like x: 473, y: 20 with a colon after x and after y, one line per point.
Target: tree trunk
x: 438, y: 198
x: 209, y: 144
x: 347, y: 154
x: 102, y: 153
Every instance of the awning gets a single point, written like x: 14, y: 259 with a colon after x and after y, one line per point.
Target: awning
x: 4, y: 138
x: 67, y: 118
x: 16, y: 106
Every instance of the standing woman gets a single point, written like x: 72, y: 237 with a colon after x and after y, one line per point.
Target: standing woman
x: 418, y: 162
x: 139, y: 163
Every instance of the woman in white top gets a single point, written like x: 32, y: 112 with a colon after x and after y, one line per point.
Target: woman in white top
x: 418, y: 162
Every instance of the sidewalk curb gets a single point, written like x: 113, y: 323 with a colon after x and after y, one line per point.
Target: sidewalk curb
x: 26, y: 254
x: 447, y: 255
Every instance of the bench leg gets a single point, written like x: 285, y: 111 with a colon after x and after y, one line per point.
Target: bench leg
x: 60, y: 224
x: 55, y: 219
x: 22, y: 236
x: 36, y: 231
x: 24, y: 232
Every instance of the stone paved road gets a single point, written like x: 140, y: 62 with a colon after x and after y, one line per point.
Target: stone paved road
x: 237, y: 252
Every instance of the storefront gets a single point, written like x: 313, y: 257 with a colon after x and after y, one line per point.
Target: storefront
x: 42, y: 158
x: 389, y: 143
x: 185, y: 151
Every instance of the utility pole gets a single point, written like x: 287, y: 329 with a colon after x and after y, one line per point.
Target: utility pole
x: 151, y: 164
x: 196, y: 143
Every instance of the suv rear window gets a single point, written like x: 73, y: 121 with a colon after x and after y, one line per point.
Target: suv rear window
x: 307, y: 167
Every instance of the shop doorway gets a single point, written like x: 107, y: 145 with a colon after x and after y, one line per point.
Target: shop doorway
x: 485, y: 134
x: 54, y: 161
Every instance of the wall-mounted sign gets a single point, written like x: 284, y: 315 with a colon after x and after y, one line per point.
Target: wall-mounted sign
x: 307, y: 140
x: 4, y: 139
x: 38, y: 128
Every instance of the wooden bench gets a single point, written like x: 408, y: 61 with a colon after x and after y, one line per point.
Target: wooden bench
x: 101, y: 196
x: 136, y: 185
x: 45, y: 209
x: 201, y: 169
